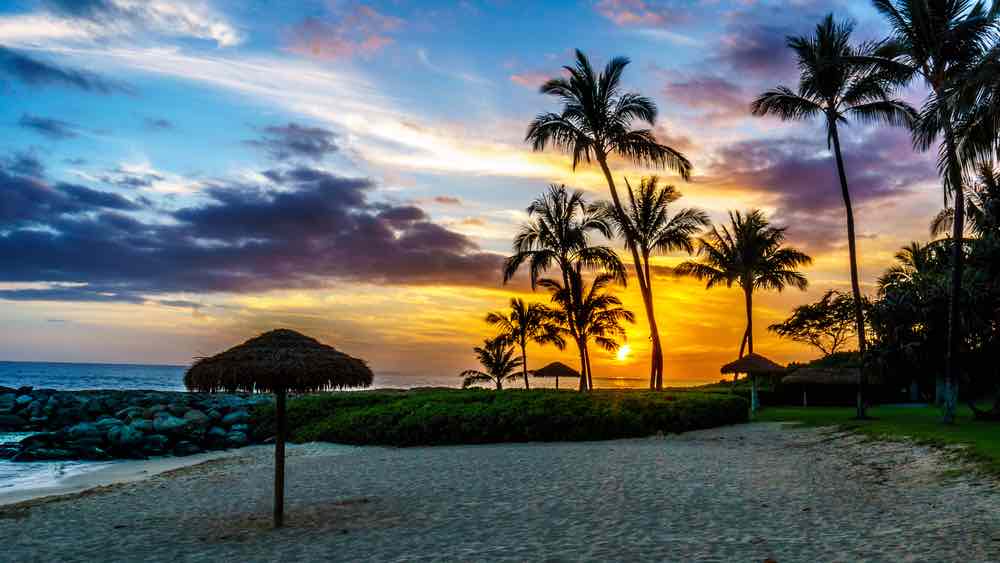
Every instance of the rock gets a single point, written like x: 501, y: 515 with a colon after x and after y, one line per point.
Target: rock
x: 155, y: 444
x: 184, y: 448
x: 83, y: 430
x: 197, y: 418
x: 178, y: 410
x: 7, y: 402
x: 105, y: 423
x: 236, y: 417
x: 25, y: 390
x: 143, y: 425
x: 214, y: 414
x: 24, y: 400
x: 129, y: 413
x: 12, y: 422
x: 165, y: 423
x: 95, y: 407
x: 44, y: 454
x: 125, y: 436
x: 8, y: 451
x: 244, y: 428
x: 39, y: 439
x: 236, y: 439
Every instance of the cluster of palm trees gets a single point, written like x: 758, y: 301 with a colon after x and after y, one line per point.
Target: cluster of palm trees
x: 949, y: 45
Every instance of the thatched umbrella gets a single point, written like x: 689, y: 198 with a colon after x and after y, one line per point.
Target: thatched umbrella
x: 556, y: 370
x: 277, y: 362
x: 753, y: 365
x: 845, y: 376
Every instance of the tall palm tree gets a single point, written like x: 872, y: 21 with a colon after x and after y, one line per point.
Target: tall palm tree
x: 596, y: 122
x: 596, y: 314
x: 527, y: 323
x: 498, y: 360
x: 942, y: 42
x: 557, y: 235
x: 912, y: 261
x: 655, y: 230
x: 839, y: 81
x: 749, y: 252
x: 982, y: 208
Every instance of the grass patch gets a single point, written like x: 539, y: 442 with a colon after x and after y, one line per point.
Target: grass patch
x: 476, y: 416
x: 921, y: 424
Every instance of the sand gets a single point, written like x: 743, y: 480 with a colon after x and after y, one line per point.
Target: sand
x: 740, y: 493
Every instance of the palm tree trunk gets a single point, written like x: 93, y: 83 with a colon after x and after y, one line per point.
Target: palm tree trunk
x: 654, y: 331
x: 859, y: 318
x: 743, y: 344
x: 590, y: 371
x: 748, y: 292
x: 524, y: 366
x: 499, y: 384
x: 952, y: 360
x: 656, y: 363
x: 583, y: 366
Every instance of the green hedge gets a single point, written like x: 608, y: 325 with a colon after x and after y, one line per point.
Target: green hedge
x: 476, y: 416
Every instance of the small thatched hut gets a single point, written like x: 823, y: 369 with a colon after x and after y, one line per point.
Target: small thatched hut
x: 753, y: 365
x: 826, y: 377
x: 556, y: 370
x: 277, y: 362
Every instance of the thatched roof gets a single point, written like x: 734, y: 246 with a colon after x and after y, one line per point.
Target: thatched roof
x: 752, y: 363
x: 279, y: 359
x: 555, y: 369
x: 827, y: 376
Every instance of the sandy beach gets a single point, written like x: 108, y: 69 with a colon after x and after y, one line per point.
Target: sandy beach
x: 739, y: 493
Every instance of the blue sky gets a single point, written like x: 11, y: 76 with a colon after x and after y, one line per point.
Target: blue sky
x: 208, y: 146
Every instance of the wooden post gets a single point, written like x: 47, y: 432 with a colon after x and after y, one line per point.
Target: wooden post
x: 279, y: 460
x: 805, y: 399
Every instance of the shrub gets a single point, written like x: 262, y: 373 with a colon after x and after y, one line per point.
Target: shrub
x: 476, y: 416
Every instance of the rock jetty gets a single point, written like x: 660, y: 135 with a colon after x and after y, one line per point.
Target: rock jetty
x: 106, y: 424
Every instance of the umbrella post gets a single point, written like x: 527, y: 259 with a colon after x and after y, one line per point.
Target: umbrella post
x: 279, y: 459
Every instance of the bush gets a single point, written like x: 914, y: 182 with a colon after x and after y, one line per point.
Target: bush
x: 476, y: 416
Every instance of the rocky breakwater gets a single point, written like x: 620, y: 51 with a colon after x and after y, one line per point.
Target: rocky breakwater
x: 102, y: 425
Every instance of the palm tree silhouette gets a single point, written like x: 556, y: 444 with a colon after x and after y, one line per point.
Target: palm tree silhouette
x: 497, y: 357
x: 912, y: 261
x: 596, y: 122
x: 982, y: 208
x: 839, y: 81
x: 750, y: 253
x: 942, y: 42
x: 557, y: 235
x: 655, y: 230
x: 596, y: 314
x: 527, y: 323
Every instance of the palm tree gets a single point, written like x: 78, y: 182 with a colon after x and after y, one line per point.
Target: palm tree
x: 497, y: 357
x: 527, y: 323
x: 655, y: 230
x: 839, y: 81
x: 982, y: 208
x: 750, y: 253
x: 596, y: 314
x: 557, y: 235
x: 595, y: 123
x: 912, y: 261
x: 942, y: 42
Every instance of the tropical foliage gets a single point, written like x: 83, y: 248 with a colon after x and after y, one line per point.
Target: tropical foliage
x: 527, y: 323
x: 496, y: 355
x: 825, y: 325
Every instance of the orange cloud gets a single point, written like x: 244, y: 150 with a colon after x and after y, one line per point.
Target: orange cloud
x: 358, y: 30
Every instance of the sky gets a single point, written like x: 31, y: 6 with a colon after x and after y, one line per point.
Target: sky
x: 179, y: 175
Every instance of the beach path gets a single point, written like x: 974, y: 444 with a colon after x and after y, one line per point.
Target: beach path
x: 739, y: 493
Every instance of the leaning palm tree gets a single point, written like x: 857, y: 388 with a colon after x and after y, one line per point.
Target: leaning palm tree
x: 527, y: 323
x: 750, y: 253
x: 839, y: 81
x: 942, y: 42
x: 596, y: 122
x: 596, y: 315
x: 912, y: 261
x: 557, y: 235
x: 656, y: 230
x: 496, y: 355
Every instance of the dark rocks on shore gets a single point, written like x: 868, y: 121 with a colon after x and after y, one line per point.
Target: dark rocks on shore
x: 98, y: 425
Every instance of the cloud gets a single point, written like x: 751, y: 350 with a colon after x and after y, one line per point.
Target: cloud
x: 447, y: 200
x: 55, y: 129
x: 529, y: 79
x: 307, y: 228
x: 35, y: 72
x: 157, y: 124
x: 24, y: 164
x: 718, y: 97
x: 797, y: 176
x: 125, y: 177
x: 284, y: 142
x: 179, y: 18
x: 644, y: 13
x: 354, y: 30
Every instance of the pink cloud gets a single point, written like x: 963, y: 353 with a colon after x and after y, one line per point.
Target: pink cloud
x: 355, y: 30
x: 641, y: 13
x: 530, y: 79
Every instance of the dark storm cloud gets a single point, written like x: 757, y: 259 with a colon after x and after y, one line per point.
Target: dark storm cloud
x: 310, y: 229
x: 799, y: 175
x: 55, y: 129
x: 24, y: 164
x: 284, y: 142
x: 35, y: 72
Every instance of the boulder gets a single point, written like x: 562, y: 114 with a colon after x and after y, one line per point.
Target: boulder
x: 105, y: 423
x: 143, y: 425
x: 24, y: 400
x: 155, y: 444
x: 84, y: 430
x: 8, y: 451
x: 7, y: 403
x: 236, y: 417
x: 165, y: 423
x: 44, y: 454
x: 184, y: 448
x: 12, y: 422
x: 125, y: 436
x: 130, y: 413
x: 197, y: 418
x: 236, y: 439
x: 244, y: 428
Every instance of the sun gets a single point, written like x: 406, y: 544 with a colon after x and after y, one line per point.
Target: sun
x: 623, y: 352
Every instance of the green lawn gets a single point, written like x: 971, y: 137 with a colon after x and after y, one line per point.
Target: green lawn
x: 922, y: 424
